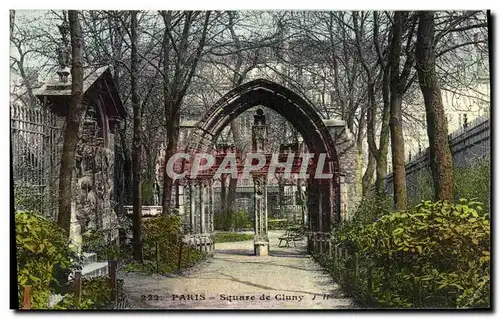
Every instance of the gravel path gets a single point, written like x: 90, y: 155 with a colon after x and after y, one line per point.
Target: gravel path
x: 234, y: 279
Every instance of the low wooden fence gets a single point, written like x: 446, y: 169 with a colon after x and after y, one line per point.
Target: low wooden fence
x: 352, y: 274
x: 344, y: 267
x: 204, y: 243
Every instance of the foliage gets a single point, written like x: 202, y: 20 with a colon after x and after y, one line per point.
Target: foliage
x: 423, y: 189
x: 223, y: 237
x: 95, y: 294
x: 68, y: 303
x: 98, y: 291
x: 230, y: 220
x: 43, y: 255
x: 474, y: 182
x: 442, y: 251
x: 148, y: 192
x: 164, y: 251
x: 369, y: 210
x: 31, y: 199
x: 468, y: 182
x: 274, y: 224
x: 97, y: 241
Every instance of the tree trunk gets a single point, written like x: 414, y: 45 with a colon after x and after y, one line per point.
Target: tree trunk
x: 383, y: 148
x: 368, y: 176
x: 127, y: 165
x: 437, y: 127
x: 231, y: 190
x: 396, y: 116
x: 359, y: 147
x: 174, y: 91
x: 398, y: 152
x: 12, y: 19
x: 223, y: 193
x: 137, y: 147
x: 76, y: 112
x: 173, y: 136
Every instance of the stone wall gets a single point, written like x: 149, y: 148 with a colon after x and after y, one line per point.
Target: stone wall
x: 92, y: 185
x: 468, y: 144
x: 345, y: 145
x: 94, y: 170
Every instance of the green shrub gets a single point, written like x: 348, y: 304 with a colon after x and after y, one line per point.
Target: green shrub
x: 97, y: 241
x: 423, y: 189
x: 95, y: 294
x: 33, y: 199
x: 436, y: 255
x: 163, y: 250
x: 471, y: 182
x: 231, y: 237
x: 369, y: 210
x: 98, y: 291
x: 231, y: 220
x: 241, y: 220
x: 276, y: 224
x: 43, y: 256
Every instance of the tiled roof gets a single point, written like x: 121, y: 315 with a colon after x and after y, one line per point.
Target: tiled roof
x: 55, y: 87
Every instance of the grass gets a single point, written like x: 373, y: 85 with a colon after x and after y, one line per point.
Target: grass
x: 225, y: 237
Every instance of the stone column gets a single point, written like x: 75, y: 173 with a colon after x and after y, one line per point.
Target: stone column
x: 202, y: 207
x: 75, y: 230
x: 261, y: 241
x: 181, y: 200
x: 192, y: 204
x: 265, y: 212
x: 320, y: 211
x: 211, y: 208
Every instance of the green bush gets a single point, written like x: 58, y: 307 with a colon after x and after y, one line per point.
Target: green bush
x: 97, y: 241
x: 44, y: 261
x: 95, y: 294
x: 98, y: 291
x: 435, y: 256
x: 32, y: 199
x: 231, y: 220
x: 474, y: 182
x: 231, y: 237
x: 471, y: 182
x: 276, y: 224
x: 163, y: 250
x: 43, y: 256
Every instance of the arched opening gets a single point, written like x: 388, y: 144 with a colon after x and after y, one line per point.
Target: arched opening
x: 324, y: 199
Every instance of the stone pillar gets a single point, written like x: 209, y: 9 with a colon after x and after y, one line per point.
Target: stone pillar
x: 320, y: 211
x: 211, y: 209
x: 192, y: 210
x: 261, y: 241
x: 345, y: 144
x: 75, y: 230
x: 265, y: 210
x: 181, y: 200
x: 202, y: 208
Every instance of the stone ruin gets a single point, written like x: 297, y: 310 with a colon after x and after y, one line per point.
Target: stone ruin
x: 93, y: 175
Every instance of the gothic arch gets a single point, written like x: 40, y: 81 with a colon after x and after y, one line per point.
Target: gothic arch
x: 324, y: 202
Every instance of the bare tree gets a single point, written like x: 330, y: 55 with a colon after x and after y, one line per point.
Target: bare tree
x: 137, y: 143
x: 76, y: 111
x: 176, y: 82
x: 398, y: 86
x: 437, y: 127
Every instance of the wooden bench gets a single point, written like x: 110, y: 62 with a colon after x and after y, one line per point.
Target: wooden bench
x: 292, y: 234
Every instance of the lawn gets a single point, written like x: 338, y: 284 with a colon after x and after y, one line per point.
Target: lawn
x: 224, y: 237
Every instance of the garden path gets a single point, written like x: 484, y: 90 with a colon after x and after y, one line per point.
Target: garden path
x: 286, y: 279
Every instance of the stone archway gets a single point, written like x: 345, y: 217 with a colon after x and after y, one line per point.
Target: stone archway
x: 324, y: 204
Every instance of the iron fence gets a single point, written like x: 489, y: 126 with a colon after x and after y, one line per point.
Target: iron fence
x: 34, y: 139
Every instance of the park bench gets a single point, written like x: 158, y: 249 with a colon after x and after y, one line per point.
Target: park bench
x: 292, y: 234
